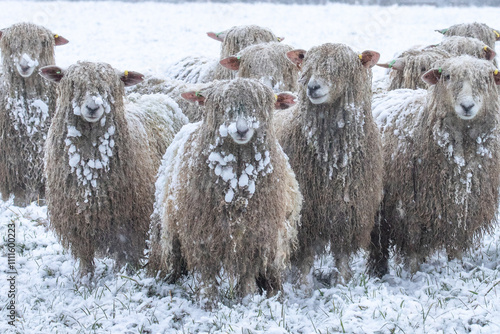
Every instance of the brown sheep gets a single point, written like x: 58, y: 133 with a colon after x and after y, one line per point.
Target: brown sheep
x: 442, y: 161
x: 101, y: 160
x: 334, y: 148
x: 27, y: 103
x: 226, y: 197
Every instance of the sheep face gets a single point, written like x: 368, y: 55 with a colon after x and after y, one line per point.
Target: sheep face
x: 460, y: 85
x: 28, y: 46
x: 329, y: 70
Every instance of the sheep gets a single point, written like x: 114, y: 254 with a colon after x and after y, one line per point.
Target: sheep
x: 477, y: 30
x: 441, y: 153
x: 101, y: 159
x: 266, y: 62
x: 459, y: 45
x: 173, y: 89
x: 226, y: 197
x: 334, y: 148
x: 202, y: 69
x: 27, y: 103
x: 407, y: 68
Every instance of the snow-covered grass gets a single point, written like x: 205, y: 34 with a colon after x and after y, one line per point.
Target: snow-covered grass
x: 443, y: 297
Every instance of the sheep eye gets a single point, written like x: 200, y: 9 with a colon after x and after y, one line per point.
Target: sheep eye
x: 447, y: 77
x: 422, y: 69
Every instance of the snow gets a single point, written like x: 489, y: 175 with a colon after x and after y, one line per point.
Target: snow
x: 443, y: 297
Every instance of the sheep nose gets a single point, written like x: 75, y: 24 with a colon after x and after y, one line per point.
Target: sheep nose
x: 313, y: 88
x: 25, y: 68
x: 92, y: 110
x: 242, y: 127
x: 467, y: 107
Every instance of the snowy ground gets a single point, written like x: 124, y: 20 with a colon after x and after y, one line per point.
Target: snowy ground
x: 444, y: 297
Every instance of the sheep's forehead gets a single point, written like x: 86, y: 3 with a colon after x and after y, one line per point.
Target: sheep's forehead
x: 25, y: 36
x: 92, y: 77
x: 330, y: 58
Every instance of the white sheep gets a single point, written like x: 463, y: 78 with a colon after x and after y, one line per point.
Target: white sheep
x: 406, y: 69
x: 202, y: 69
x: 477, y: 30
x: 442, y: 155
x: 101, y: 160
x: 27, y: 103
x: 266, y: 62
x: 334, y: 148
x: 226, y: 197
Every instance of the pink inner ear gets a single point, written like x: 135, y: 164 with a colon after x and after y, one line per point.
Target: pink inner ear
x: 489, y: 54
x: 60, y: 40
x: 52, y: 73
x: 497, y: 78
x: 131, y: 78
x: 369, y: 58
x: 285, y: 101
x: 297, y: 56
x: 232, y: 63
x: 217, y: 37
x: 193, y: 97
x: 431, y: 77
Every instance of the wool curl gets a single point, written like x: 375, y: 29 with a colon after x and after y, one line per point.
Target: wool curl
x: 26, y: 108
x: 100, y: 176
x: 335, y: 151
x: 268, y: 63
x: 196, y: 227
x: 442, y: 172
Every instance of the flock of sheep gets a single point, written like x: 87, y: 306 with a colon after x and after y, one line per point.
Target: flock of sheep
x: 217, y: 170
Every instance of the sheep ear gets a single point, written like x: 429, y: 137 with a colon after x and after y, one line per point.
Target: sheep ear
x: 432, y: 76
x: 285, y: 101
x: 218, y: 37
x: 496, y: 76
x: 232, y: 63
x: 194, y: 97
x: 280, y: 39
x: 51, y: 73
x: 369, y: 58
x: 395, y: 64
x: 442, y: 31
x: 60, y: 40
x: 497, y: 34
x: 489, y: 54
x: 131, y: 78
x: 296, y: 56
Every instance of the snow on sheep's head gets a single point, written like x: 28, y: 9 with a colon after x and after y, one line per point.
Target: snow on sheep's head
x: 25, y: 46
x: 94, y: 86
x: 267, y: 63
x: 407, y: 69
x: 239, y: 108
x: 329, y: 68
x: 464, y: 84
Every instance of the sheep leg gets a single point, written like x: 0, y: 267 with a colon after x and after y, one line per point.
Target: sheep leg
x: 269, y: 282
x: 343, y: 268
x: 176, y: 262
x: 378, y: 261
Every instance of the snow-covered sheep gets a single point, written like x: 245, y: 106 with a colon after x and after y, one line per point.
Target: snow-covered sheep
x: 101, y: 160
x: 27, y: 103
x: 334, y: 148
x: 459, y: 45
x: 173, y: 89
x: 266, y: 62
x: 442, y: 155
x: 477, y: 30
x: 200, y: 69
x: 226, y: 197
x: 406, y: 70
